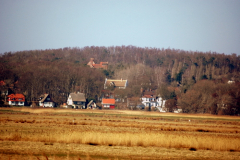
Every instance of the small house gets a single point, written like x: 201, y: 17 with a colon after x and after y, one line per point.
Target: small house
x: 133, y: 102
x: 46, y: 101
x: 16, y: 99
x: 108, y: 103
x: 91, y: 105
x: 102, y: 65
x: 140, y: 106
x: 150, y: 99
x: 76, y: 100
x: 116, y: 83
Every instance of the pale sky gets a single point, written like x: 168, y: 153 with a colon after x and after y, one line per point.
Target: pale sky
x: 191, y: 25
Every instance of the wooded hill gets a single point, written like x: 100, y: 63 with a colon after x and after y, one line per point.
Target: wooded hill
x: 196, y: 81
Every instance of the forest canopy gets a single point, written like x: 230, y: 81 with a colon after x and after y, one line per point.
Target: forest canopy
x: 197, y: 81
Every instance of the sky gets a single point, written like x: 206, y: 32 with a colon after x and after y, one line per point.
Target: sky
x: 190, y: 25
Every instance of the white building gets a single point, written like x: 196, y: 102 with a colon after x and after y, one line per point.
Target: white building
x: 152, y: 101
x: 46, y: 101
x: 76, y: 100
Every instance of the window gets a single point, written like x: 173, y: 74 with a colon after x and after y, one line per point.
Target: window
x: 48, y: 99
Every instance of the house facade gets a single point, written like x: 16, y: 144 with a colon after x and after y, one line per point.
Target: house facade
x: 153, y: 102
x: 108, y: 103
x: 16, y: 99
x: 46, y: 101
x: 161, y: 102
x: 133, y: 103
x: 76, y: 100
x: 149, y: 99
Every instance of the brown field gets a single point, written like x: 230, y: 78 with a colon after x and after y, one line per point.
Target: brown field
x: 27, y: 133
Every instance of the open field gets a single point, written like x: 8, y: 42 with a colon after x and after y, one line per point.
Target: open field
x: 27, y: 133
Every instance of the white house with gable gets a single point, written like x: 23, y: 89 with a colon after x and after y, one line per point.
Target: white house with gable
x: 149, y: 99
x: 46, y: 101
x: 76, y: 100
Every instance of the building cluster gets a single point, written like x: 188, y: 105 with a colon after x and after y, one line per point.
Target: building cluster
x: 149, y: 98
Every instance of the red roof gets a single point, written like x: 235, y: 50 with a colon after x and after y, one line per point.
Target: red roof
x: 16, y: 97
x: 101, y: 65
x: 2, y: 83
x: 97, y: 65
x: 147, y: 96
x: 108, y: 101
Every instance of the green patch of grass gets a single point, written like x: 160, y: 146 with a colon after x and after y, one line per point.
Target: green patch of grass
x: 195, y: 118
x: 11, y: 111
x: 149, y: 117
x: 4, y: 111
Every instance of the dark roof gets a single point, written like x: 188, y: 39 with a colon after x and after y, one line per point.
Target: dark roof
x: 43, y: 97
x: 149, y: 94
x: 78, y: 97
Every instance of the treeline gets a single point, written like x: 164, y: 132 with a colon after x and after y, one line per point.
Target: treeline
x: 175, y: 73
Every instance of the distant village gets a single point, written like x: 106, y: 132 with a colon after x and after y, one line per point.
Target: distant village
x: 149, y: 99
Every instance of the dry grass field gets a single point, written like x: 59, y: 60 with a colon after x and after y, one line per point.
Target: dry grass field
x: 27, y: 133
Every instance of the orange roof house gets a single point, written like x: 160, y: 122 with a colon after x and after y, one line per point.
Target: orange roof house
x: 103, y: 65
x: 16, y: 99
x: 108, y: 103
